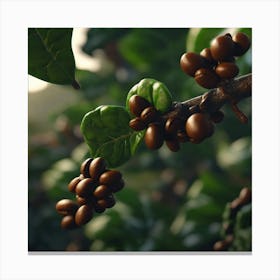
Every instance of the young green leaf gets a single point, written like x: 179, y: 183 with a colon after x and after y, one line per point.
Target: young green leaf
x: 50, y: 56
x: 108, y: 135
x: 153, y: 91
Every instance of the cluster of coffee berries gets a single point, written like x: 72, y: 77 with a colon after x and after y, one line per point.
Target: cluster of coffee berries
x: 217, y: 63
x: 94, y: 190
x: 230, y: 214
x: 174, y: 129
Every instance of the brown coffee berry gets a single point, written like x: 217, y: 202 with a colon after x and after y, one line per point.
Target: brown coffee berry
x: 227, y: 70
x: 222, y: 48
x: 117, y: 186
x: 154, y: 136
x: 101, y: 191
x: 73, y: 183
x: 182, y: 136
x: 89, y: 200
x: 66, y: 207
x: 85, y: 167
x: 110, y: 177
x: 206, y: 53
x: 241, y: 43
x: 172, y: 125
x: 83, y: 215
x: 198, y: 127
x: 137, y: 104
x: 206, y: 78
x: 68, y: 222
x: 149, y: 114
x: 173, y: 145
x: 85, y: 187
x: 97, y: 167
x: 221, y: 245
x: 190, y: 62
x: 137, y: 124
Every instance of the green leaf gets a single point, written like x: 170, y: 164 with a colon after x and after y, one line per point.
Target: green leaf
x: 108, y: 135
x: 153, y: 91
x: 50, y: 56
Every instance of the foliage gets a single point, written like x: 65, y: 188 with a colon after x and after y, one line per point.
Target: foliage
x: 172, y: 201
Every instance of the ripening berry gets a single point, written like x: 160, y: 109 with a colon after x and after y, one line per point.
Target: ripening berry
x: 227, y: 70
x: 241, y: 43
x: 154, y: 136
x: 222, y: 48
x: 206, y: 78
x: 137, y: 104
x: 190, y: 62
x: 198, y: 127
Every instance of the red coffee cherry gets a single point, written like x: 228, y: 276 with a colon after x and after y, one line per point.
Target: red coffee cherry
x: 68, y: 222
x: 190, y: 62
x: 154, y: 136
x: 198, y: 127
x: 97, y: 167
x: 217, y: 116
x: 66, y: 207
x: 83, y: 215
x: 101, y: 191
x: 222, y: 48
x: 85, y: 167
x: 173, y: 145
x: 149, y: 114
x: 137, y: 104
x: 241, y: 43
x: 227, y: 70
x: 73, y: 183
x: 137, y: 124
x: 85, y: 187
x: 110, y: 177
x: 207, y: 78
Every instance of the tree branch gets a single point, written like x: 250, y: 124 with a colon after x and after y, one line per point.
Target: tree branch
x: 231, y: 91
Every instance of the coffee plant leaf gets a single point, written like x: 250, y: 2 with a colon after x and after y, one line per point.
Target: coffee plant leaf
x: 108, y: 135
x: 154, y: 91
x: 50, y: 56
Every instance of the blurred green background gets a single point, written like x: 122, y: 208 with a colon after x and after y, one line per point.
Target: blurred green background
x: 172, y: 201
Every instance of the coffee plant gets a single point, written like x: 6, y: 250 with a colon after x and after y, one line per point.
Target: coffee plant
x: 95, y: 196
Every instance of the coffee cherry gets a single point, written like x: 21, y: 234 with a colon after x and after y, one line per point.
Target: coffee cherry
x: 227, y: 70
x: 89, y: 200
x: 101, y: 191
x: 68, y: 222
x: 107, y: 202
x: 154, y: 136
x: 206, y: 53
x: 85, y: 187
x: 73, y: 183
x: 222, y: 48
x: 221, y: 245
x: 217, y: 116
x: 85, y: 167
x: 137, y: 124
x: 173, y: 145
x: 241, y: 43
x: 97, y: 167
x: 117, y: 186
x: 110, y: 177
x: 198, y: 127
x: 182, y: 136
x: 190, y: 62
x: 66, y: 207
x: 149, y: 114
x: 137, y: 104
x: 172, y: 125
x: 207, y: 78
x: 99, y: 208
x: 83, y: 215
